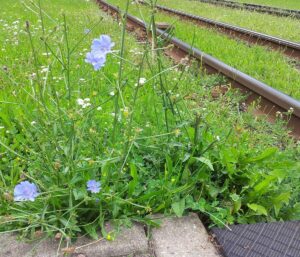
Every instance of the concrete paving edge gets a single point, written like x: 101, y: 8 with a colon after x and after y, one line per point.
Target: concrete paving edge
x: 176, y: 237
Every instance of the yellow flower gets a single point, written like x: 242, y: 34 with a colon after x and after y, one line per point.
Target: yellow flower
x: 126, y: 112
x: 177, y: 132
x: 91, y: 162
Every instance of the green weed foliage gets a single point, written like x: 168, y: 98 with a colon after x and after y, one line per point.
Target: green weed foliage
x: 282, y: 27
x: 288, y: 4
x: 152, y: 133
x: 268, y: 66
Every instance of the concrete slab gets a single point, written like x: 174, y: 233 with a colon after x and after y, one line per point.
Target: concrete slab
x: 182, y: 237
x: 129, y: 243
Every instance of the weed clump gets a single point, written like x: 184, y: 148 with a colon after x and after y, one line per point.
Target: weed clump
x: 127, y: 135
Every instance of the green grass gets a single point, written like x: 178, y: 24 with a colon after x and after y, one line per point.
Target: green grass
x: 287, y: 4
x: 267, y: 66
x: 282, y: 27
x: 167, y: 146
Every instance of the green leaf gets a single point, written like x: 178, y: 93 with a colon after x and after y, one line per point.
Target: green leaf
x: 213, y: 191
x: 264, y: 155
x: 201, y: 204
x: 234, y: 197
x: 205, y: 161
x: 132, y: 184
x: 169, y: 167
x: 259, y: 209
x: 91, y: 230
x: 264, y: 185
x: 179, y: 207
x: 279, y: 200
x: 79, y: 193
x: 294, y: 212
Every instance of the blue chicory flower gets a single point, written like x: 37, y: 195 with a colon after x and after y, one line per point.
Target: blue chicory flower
x: 102, y: 44
x: 97, y: 61
x: 25, y: 191
x: 100, y: 48
x: 93, y: 186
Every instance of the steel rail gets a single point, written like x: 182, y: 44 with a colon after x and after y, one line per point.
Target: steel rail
x: 289, y: 48
x: 272, y: 100
x: 255, y: 7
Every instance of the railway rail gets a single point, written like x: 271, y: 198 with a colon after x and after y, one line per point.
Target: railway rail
x: 272, y: 100
x: 255, y: 7
x: 290, y: 49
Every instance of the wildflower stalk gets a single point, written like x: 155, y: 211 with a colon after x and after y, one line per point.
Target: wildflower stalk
x: 67, y: 65
x: 120, y: 74
x: 129, y: 127
x: 36, y: 68
x: 42, y: 24
x: 167, y: 102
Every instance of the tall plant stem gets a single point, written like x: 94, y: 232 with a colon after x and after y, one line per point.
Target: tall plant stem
x: 36, y: 66
x: 120, y: 74
x: 154, y: 44
x: 67, y: 65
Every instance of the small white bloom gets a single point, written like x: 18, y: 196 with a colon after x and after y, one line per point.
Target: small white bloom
x: 44, y: 69
x: 99, y: 108
x: 142, y: 81
x: 218, y: 138
x: 291, y: 110
x: 84, y: 103
x: 80, y: 101
x: 112, y: 93
x: 33, y: 123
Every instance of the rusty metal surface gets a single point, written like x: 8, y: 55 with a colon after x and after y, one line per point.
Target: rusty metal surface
x: 255, y: 7
x: 289, y: 48
x: 276, y: 239
x: 272, y: 100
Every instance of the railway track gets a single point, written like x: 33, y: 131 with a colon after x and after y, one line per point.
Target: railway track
x: 290, y: 49
x: 255, y: 7
x: 271, y: 100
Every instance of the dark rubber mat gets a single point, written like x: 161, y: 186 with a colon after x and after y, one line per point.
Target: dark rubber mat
x: 277, y: 239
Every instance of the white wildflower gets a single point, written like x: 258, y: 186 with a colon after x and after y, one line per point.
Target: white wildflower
x: 44, y: 69
x: 84, y: 103
x: 142, y: 81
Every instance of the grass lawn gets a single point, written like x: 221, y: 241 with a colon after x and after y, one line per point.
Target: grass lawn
x: 282, y: 27
x: 287, y: 4
x: 81, y: 144
x: 268, y: 66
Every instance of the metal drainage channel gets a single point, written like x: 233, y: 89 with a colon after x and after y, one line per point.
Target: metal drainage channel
x: 271, y: 100
x: 275, y: 239
x: 255, y: 7
x: 291, y: 49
